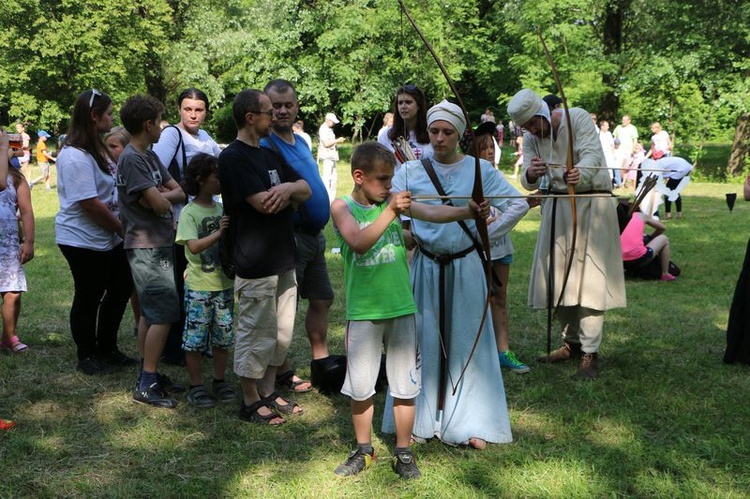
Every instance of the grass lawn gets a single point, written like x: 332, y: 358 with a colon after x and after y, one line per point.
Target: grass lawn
x: 666, y: 418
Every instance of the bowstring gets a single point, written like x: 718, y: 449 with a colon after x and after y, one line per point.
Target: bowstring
x: 412, y: 225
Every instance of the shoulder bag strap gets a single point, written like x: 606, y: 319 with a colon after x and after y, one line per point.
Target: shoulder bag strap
x: 439, y: 188
x: 174, y: 167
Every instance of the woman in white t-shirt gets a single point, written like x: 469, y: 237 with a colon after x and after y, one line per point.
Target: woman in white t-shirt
x: 89, y: 234
x: 661, y: 144
x: 409, y: 122
x: 177, y: 145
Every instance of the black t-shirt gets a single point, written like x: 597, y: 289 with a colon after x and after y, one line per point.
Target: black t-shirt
x: 263, y: 245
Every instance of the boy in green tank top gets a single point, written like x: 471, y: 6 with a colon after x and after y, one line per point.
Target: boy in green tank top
x: 380, y: 306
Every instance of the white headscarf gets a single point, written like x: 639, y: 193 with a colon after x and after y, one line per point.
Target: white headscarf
x: 525, y: 105
x: 447, y: 111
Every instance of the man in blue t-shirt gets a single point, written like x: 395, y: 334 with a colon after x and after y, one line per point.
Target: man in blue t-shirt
x: 313, y: 281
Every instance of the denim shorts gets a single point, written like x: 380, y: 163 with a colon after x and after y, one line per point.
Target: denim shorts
x: 643, y: 260
x: 153, y: 279
x: 506, y: 260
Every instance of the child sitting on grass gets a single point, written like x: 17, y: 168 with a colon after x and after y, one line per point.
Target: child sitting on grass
x: 16, y: 248
x: 209, y: 294
x: 380, y: 305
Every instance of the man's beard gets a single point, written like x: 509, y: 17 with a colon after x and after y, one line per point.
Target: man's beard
x: 278, y: 127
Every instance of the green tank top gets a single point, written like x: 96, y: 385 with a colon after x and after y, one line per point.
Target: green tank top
x: 377, y: 283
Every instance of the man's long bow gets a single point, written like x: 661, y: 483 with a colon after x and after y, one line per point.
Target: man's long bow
x: 477, y: 194
x: 569, y: 165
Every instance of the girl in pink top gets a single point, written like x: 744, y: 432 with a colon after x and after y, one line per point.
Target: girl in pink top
x: 639, y: 250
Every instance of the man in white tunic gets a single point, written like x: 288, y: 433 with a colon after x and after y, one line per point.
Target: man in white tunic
x: 596, y: 282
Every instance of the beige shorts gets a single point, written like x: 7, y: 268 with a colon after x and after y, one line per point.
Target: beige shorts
x: 364, y: 344
x: 265, y: 322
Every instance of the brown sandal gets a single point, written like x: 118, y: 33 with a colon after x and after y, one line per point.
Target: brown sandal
x: 283, y: 408
x: 286, y: 380
x: 250, y: 413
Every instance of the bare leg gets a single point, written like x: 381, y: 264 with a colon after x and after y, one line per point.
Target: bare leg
x: 11, y: 312
x: 136, y: 307
x: 499, y: 309
x: 316, y: 325
x: 285, y: 366
x: 142, y: 330
x: 403, y: 415
x: 153, y: 344
x: 193, y: 363
x: 220, y: 362
x: 362, y: 412
x: 660, y: 245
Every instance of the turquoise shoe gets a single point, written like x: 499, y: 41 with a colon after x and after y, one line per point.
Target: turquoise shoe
x: 508, y: 359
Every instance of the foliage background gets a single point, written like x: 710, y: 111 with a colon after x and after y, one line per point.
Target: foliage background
x: 682, y: 63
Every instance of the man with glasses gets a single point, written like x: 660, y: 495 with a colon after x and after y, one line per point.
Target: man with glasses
x: 595, y: 282
x: 313, y: 281
x: 259, y: 189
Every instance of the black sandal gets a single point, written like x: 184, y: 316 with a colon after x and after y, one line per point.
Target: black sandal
x: 286, y: 380
x: 250, y: 413
x: 287, y: 408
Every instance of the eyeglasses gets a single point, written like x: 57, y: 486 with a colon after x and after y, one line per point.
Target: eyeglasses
x: 409, y: 87
x: 268, y: 113
x: 94, y: 94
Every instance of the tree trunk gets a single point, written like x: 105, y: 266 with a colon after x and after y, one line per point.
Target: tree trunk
x: 740, y: 156
x: 612, y: 40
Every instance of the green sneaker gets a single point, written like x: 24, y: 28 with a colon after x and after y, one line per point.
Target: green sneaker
x: 508, y: 359
x: 356, y: 461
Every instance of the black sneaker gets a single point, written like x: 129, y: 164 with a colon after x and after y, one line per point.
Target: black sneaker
x: 405, y: 465
x: 356, y: 461
x: 116, y: 358
x: 154, y: 395
x: 92, y: 366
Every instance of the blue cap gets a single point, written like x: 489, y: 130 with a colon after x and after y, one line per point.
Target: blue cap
x: 42, y: 133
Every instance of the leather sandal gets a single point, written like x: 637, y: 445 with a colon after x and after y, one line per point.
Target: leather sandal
x: 287, y: 408
x: 286, y: 380
x: 250, y: 413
